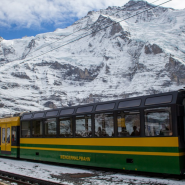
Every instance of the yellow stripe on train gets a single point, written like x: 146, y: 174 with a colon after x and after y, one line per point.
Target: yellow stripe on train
x: 107, y: 151
x: 141, y: 142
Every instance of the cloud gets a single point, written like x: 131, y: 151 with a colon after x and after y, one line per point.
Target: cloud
x: 176, y: 4
x: 35, y: 13
x: 24, y: 13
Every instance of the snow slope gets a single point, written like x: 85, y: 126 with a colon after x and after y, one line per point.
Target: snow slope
x: 100, y: 57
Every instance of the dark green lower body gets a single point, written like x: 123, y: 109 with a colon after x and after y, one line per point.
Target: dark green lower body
x: 13, y: 153
x: 147, y: 163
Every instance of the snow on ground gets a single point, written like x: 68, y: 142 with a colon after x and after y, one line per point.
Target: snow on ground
x: 77, y: 176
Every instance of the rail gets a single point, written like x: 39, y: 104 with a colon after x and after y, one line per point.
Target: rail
x: 25, y: 180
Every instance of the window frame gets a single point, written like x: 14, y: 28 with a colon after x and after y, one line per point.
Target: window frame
x: 105, y: 110
x: 172, y: 116
x: 3, y: 140
x: 30, y: 121
x: 73, y: 127
x: 141, y: 110
x: 38, y: 117
x: 31, y: 115
x: 83, y: 112
x: 159, y: 103
x: 65, y: 114
x: 15, y: 143
x: 43, y: 125
x: 183, y: 104
x: 128, y: 106
x: 140, y: 119
x: 91, y: 125
x: 114, y: 123
x: 52, y: 116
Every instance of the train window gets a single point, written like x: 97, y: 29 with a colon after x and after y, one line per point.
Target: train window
x: 158, y: 122
x: 107, y: 106
x: 66, y: 127
x: 184, y: 117
x: 14, y: 134
x: 37, y: 128
x: 3, y: 135
x: 158, y: 100
x: 39, y: 115
x: 84, y: 109
x: 50, y: 128
x: 83, y: 126
x: 104, y: 125
x: 130, y: 103
x: 51, y: 113
x: 8, y: 135
x: 67, y: 111
x: 128, y: 123
x: 25, y: 129
x: 26, y: 116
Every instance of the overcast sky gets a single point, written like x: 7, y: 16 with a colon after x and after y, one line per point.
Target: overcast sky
x: 19, y: 18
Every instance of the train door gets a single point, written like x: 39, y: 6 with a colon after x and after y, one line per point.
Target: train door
x: 184, y: 118
x: 6, y: 139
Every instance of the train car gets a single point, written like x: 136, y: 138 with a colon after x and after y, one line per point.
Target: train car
x: 9, y: 136
x: 144, y: 133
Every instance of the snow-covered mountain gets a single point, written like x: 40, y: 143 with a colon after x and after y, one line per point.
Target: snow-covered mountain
x: 107, y: 58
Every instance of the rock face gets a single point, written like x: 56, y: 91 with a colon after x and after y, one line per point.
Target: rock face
x: 22, y: 75
x: 176, y: 71
x: 153, y: 49
x: 106, y: 58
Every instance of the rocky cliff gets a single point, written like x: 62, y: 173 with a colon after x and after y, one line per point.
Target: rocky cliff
x: 98, y: 58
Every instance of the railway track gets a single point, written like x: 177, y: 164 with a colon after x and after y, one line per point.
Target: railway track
x: 24, y: 180
x: 97, y: 175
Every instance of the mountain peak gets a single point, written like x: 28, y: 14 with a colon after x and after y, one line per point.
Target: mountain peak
x: 136, y: 0
x: 106, y: 59
x: 137, y: 3
x: 1, y: 38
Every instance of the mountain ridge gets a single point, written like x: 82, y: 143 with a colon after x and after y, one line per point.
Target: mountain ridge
x: 142, y: 55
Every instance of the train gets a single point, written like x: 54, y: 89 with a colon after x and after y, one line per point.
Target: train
x: 144, y: 133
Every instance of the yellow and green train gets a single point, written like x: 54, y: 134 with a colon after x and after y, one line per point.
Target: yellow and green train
x: 144, y: 133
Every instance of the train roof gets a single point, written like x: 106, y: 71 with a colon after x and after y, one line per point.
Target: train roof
x: 161, y: 99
